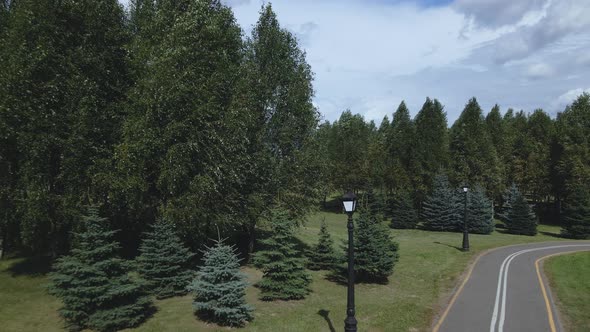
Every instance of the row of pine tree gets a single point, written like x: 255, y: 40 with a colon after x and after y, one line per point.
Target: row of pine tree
x: 418, y: 164
x: 99, y: 291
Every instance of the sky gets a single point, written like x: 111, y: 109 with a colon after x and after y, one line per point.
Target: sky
x: 369, y: 55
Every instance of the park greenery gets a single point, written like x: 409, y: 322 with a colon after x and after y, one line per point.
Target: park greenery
x: 132, y: 137
x: 220, y: 288
x: 567, y: 276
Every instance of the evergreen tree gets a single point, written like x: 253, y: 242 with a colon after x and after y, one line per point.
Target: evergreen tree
x: 573, y: 146
x: 284, y: 276
x: 473, y: 156
x: 480, y: 219
x: 163, y: 261
x: 404, y: 214
x: 522, y: 219
x: 374, y: 201
x: 540, y: 132
x: 400, y: 145
x: 431, y: 145
x: 576, y: 220
x: 441, y: 210
x: 220, y: 288
x: 322, y: 255
x: 496, y: 130
x: 375, y: 252
x: 509, y: 196
x: 94, y: 284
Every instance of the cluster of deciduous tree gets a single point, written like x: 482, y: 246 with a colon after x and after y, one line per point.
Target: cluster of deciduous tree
x: 547, y: 159
x: 166, y: 110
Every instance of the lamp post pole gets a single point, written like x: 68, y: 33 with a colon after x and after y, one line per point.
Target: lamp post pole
x: 349, y: 203
x: 350, y: 321
x: 465, y: 230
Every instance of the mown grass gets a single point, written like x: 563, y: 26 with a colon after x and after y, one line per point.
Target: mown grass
x: 568, y: 277
x: 429, y: 267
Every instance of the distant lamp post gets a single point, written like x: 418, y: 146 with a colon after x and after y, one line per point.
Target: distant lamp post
x: 465, y: 230
x: 349, y: 202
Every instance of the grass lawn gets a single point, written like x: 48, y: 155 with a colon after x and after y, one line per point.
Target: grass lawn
x: 429, y: 267
x: 568, y: 276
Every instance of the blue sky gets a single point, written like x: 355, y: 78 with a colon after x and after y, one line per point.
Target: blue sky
x: 369, y: 55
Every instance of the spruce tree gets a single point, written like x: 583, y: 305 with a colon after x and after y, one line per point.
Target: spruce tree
x: 522, y: 219
x: 480, y: 218
x: 322, y: 256
x: 404, y: 214
x: 164, y: 261
x: 94, y: 284
x: 508, y: 197
x: 441, y: 210
x: 283, y: 266
x: 220, y: 288
x: 576, y: 218
x: 375, y: 252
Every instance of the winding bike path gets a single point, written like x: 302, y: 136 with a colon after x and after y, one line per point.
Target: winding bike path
x: 505, y: 290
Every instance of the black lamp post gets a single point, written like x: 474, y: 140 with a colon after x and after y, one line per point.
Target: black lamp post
x: 465, y: 230
x: 349, y: 202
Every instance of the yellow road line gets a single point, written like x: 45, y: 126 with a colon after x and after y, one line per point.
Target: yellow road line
x: 547, y: 303
x: 445, y: 313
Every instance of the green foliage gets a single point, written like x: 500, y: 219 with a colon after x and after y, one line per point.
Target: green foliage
x: 521, y: 219
x: 480, y: 218
x: 573, y: 145
x: 404, y: 214
x: 507, y: 198
x: 94, y: 284
x: 164, y: 261
x: 431, y: 145
x: 181, y: 148
x: 322, y: 255
x: 473, y: 157
x: 374, y: 201
x: 348, y: 147
x: 576, y: 220
x: 220, y: 288
x: 64, y: 76
x: 441, y: 210
x: 275, y: 99
x: 284, y: 276
x: 400, y: 144
x: 375, y: 252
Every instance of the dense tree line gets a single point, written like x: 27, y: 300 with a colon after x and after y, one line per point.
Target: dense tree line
x: 165, y: 111
x: 168, y: 110
x: 545, y: 158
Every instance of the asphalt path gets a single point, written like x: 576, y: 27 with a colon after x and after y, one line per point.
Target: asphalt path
x: 505, y: 290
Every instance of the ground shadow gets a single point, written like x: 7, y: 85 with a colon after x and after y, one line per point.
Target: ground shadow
x: 325, y: 314
x: 32, y: 266
x: 557, y: 235
x: 339, y: 275
x: 448, y: 245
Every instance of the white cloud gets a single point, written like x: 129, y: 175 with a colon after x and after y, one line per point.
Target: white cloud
x: 563, y: 18
x: 539, y: 71
x: 496, y: 13
x: 567, y: 98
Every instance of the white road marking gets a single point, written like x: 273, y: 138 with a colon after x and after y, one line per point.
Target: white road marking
x: 502, y: 289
